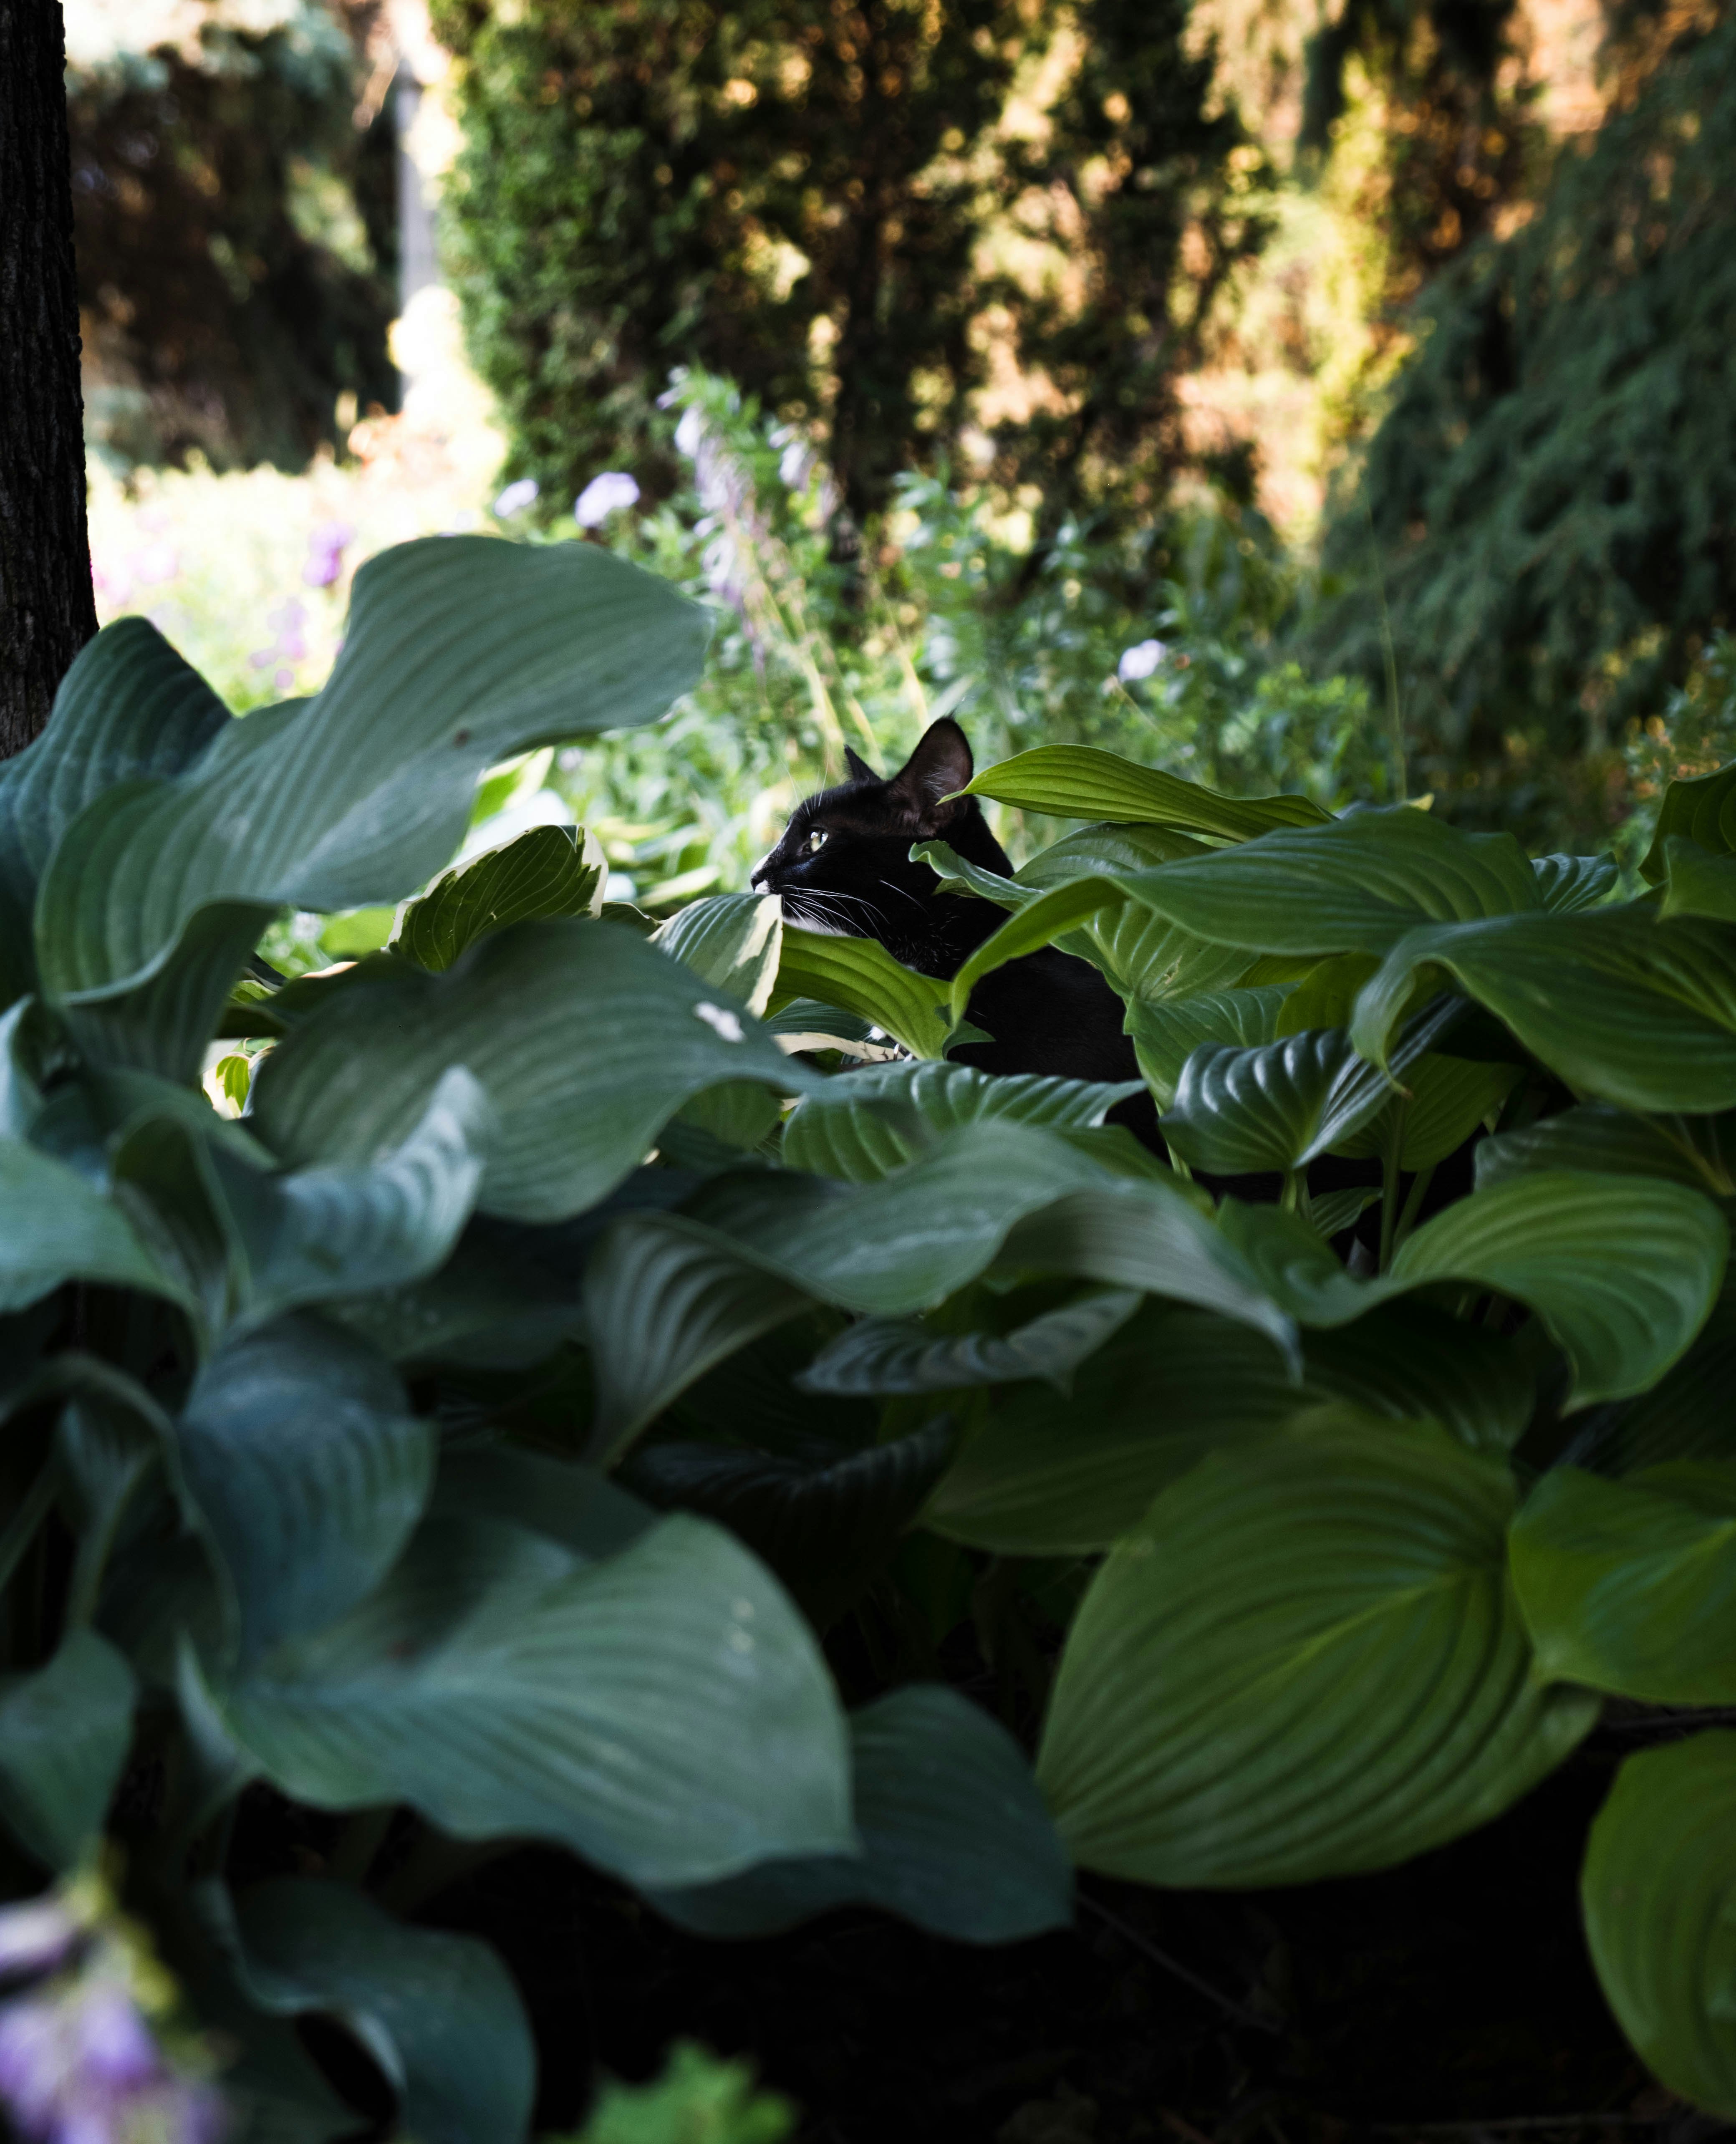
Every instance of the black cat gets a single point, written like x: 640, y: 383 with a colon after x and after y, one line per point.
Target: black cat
x: 844, y: 866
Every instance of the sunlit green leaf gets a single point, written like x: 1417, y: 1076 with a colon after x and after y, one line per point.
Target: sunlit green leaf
x: 1357, y: 885
x: 551, y: 871
x: 859, y: 976
x: 460, y: 651
x: 1304, y: 1663
x: 1622, y: 1272
x: 734, y: 940
x: 1079, y: 781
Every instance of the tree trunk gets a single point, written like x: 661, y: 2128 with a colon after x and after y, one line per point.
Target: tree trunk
x: 47, y: 609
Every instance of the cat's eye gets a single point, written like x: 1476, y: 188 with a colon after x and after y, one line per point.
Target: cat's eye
x: 815, y: 841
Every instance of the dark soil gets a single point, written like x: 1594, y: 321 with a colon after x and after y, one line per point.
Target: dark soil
x: 1452, y: 1995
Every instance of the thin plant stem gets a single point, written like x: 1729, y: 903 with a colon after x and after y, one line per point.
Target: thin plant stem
x: 1419, y: 1191
x: 1390, y: 1160
x: 20, y: 1529
x: 1147, y: 1949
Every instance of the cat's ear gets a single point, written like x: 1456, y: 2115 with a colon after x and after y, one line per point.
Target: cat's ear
x: 859, y: 767
x: 941, y: 764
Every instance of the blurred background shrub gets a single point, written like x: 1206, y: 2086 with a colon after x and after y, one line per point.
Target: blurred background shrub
x: 1342, y: 408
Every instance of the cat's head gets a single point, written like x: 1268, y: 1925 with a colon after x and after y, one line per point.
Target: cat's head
x: 844, y: 862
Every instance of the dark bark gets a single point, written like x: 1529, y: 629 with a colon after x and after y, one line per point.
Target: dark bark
x: 47, y: 609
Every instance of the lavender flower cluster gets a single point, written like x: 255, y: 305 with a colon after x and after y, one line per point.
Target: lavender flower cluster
x: 79, y: 2062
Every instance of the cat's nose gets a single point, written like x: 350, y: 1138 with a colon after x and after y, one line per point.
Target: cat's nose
x: 763, y: 872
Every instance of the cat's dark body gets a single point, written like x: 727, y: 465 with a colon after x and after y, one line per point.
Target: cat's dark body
x: 1047, y: 1013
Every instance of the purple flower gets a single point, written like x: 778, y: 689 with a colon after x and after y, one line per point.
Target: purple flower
x: 78, y: 2065
x: 518, y: 496
x: 602, y: 496
x: 36, y: 1936
x: 1142, y: 660
x: 325, y: 549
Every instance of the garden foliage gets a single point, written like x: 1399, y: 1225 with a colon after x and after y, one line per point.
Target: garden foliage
x: 478, y: 1439
x: 234, y: 196
x: 844, y: 208
x: 1544, y: 522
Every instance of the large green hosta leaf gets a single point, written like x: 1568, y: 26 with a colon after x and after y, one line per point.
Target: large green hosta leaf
x: 1304, y: 1663
x: 1703, y: 810
x: 1044, y: 1477
x: 1698, y: 884
x: 1659, y: 1896
x: 1568, y: 883
x: 586, y: 1040
x: 1444, y: 1100
x: 1686, y: 1415
x: 1084, y: 909
x: 1357, y: 885
x: 1080, y: 781
x: 128, y: 708
x: 734, y: 940
x: 1630, y: 1586
x: 65, y: 1730
x: 1281, y: 1105
x: 1039, y: 1479
x: 248, y: 1245
x: 1166, y: 1032
x: 56, y: 1226
x: 299, y: 1450
x: 1624, y: 1007
x: 459, y: 651
x: 551, y: 871
x: 859, y: 976
x: 1406, y: 1358
x: 898, y: 1355
x: 663, y: 1711
x: 1016, y: 1190
x: 1038, y: 924
x: 1700, y: 1151
x: 1622, y: 1272
x: 666, y: 1300
x: 827, y: 1525
x: 438, y: 2012
x: 954, y: 1837
x: 864, y: 1125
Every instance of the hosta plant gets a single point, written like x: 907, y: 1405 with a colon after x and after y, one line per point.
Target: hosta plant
x: 603, y: 1378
